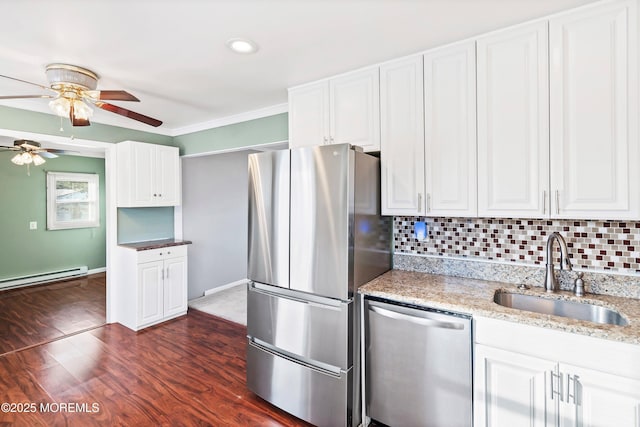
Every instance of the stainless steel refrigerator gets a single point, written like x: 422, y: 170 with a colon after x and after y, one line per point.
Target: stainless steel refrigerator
x: 315, y: 235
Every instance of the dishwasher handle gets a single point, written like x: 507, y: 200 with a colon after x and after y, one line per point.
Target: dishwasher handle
x: 417, y: 320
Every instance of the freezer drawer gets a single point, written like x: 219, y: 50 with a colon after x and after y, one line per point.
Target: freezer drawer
x: 304, y: 327
x: 418, y: 367
x: 319, y: 397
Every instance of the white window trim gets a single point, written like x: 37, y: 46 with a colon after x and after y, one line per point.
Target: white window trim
x: 52, y: 178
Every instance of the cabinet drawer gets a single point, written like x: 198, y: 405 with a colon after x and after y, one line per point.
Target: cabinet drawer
x: 162, y: 253
x: 318, y: 397
x: 305, y: 328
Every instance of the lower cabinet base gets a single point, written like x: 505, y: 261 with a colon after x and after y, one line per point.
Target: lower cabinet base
x: 318, y: 397
x: 164, y: 319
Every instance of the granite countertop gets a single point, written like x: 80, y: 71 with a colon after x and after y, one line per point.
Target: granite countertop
x: 154, y: 244
x: 475, y: 297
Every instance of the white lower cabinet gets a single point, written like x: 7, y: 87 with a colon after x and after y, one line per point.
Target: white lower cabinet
x: 160, y: 289
x: 511, y: 389
x: 601, y: 388
x: 598, y: 399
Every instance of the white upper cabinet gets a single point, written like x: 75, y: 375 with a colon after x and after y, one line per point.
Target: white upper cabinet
x: 513, y: 132
x: 402, y: 137
x: 309, y: 115
x: 594, y: 112
x: 450, y: 130
x: 355, y: 109
x: 147, y: 175
x: 345, y: 109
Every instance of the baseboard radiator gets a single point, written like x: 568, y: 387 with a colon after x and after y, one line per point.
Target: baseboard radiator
x: 34, y: 279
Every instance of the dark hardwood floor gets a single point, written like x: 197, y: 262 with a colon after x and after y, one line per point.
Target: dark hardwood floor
x: 186, y: 372
x: 37, y: 314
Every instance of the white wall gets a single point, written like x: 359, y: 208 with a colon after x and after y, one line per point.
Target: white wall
x: 214, y: 217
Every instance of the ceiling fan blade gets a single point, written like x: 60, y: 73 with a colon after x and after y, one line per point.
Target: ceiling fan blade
x: 116, y: 95
x: 109, y: 95
x: 57, y: 151
x: 25, y: 96
x: 47, y: 154
x: 24, y: 81
x: 128, y: 113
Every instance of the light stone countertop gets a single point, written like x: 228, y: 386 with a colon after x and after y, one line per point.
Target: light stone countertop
x: 475, y: 297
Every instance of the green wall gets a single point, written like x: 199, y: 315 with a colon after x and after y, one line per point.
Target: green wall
x: 31, y: 121
x: 140, y: 224
x: 253, y: 132
x: 23, y: 199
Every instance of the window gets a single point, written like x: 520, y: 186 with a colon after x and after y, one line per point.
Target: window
x: 72, y: 200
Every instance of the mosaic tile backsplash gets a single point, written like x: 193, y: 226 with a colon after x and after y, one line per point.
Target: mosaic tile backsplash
x: 597, y: 245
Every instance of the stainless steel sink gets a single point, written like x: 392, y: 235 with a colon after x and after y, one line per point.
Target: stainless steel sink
x: 564, y: 308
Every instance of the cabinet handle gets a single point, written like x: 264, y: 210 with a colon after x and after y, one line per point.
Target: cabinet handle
x: 544, y: 201
x: 331, y: 140
x: 419, y: 202
x: 428, y: 202
x: 553, y: 387
x: 572, y: 391
x: 325, y: 140
x: 557, y: 202
x: 155, y: 195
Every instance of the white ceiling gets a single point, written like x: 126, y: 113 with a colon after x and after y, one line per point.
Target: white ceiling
x: 172, y: 54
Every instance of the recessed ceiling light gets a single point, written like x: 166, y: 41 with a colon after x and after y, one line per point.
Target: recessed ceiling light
x: 242, y: 45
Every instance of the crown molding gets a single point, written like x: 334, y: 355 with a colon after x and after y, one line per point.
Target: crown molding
x: 229, y: 120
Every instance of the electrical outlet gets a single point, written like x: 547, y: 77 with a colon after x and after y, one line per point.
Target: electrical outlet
x: 33, y: 225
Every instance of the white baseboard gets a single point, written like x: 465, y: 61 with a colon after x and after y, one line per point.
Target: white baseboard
x: 97, y: 270
x: 224, y: 287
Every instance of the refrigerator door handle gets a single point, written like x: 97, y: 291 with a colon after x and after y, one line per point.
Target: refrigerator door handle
x: 417, y: 320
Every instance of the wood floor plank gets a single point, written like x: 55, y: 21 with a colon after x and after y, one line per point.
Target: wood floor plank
x: 189, y: 371
x: 38, y: 314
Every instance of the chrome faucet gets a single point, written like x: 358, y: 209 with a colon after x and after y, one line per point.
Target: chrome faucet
x: 550, y: 279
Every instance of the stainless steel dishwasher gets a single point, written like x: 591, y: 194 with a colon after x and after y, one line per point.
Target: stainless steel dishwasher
x: 418, y: 366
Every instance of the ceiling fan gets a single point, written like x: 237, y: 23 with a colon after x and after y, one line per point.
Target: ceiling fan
x: 73, y: 88
x: 31, y: 152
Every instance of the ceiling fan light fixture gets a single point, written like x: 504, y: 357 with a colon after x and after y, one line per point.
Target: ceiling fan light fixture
x: 60, y: 106
x: 38, y: 160
x: 81, y: 110
x: 26, y: 158
x: 17, y: 159
x: 240, y: 45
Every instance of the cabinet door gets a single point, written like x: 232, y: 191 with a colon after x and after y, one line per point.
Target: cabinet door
x: 309, y: 115
x: 594, y: 115
x: 511, y: 389
x: 354, y: 109
x: 143, y: 174
x: 402, y: 137
x: 513, y: 132
x: 450, y: 130
x: 175, y: 286
x: 167, y: 176
x: 150, y: 292
x: 596, y: 399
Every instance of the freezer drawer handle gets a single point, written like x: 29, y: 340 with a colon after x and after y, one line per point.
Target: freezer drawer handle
x: 417, y: 320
